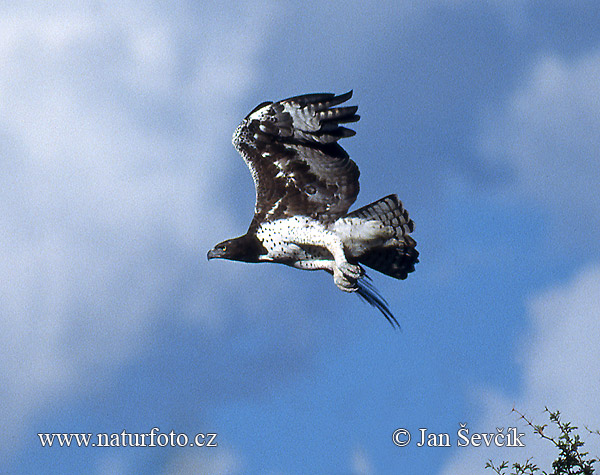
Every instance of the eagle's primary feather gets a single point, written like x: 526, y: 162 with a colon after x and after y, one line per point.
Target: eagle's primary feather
x: 305, y: 183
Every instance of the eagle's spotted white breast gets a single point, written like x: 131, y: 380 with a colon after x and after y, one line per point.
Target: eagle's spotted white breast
x: 305, y: 182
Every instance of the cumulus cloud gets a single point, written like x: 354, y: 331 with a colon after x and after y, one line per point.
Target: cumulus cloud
x: 108, y: 137
x: 549, y: 136
x: 560, y: 359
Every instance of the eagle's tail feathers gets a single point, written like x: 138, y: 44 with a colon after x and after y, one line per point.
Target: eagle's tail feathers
x: 389, y: 211
x: 399, y: 259
x: 367, y: 292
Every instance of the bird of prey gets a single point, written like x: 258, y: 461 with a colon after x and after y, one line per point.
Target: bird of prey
x: 305, y: 183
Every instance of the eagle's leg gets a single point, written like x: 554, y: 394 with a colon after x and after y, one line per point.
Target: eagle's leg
x: 335, y: 246
x: 329, y: 265
x: 343, y: 282
x: 349, y: 272
x: 316, y: 264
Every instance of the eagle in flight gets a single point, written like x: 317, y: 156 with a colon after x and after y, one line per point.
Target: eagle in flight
x: 305, y: 182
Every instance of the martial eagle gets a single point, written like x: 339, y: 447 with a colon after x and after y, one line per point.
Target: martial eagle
x: 305, y: 182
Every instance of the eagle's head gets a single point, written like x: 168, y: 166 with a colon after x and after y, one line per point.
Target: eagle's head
x: 245, y: 248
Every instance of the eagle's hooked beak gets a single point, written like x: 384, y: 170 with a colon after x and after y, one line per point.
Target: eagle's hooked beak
x: 215, y: 253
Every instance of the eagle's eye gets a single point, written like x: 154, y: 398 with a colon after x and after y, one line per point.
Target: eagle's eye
x: 223, y: 248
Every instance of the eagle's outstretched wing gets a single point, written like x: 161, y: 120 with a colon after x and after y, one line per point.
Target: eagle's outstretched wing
x: 297, y: 165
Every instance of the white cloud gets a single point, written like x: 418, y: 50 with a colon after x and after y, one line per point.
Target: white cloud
x: 549, y: 134
x: 564, y: 367
x: 561, y: 369
x: 108, y: 137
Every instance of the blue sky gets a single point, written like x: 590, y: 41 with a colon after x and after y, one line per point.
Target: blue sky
x: 119, y: 175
